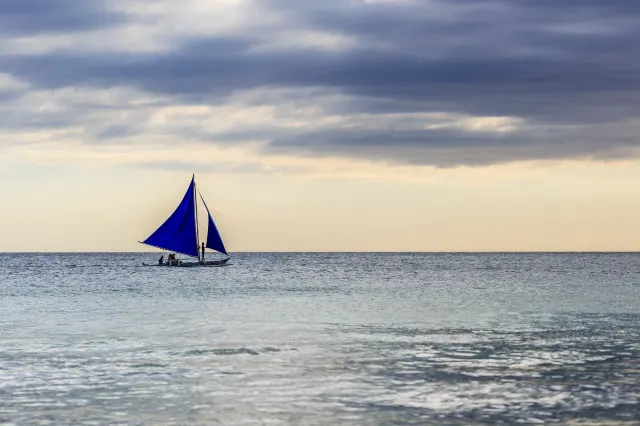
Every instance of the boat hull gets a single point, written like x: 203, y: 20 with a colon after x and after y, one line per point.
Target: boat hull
x: 187, y: 264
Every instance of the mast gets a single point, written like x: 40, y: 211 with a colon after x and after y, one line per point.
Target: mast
x: 195, y: 202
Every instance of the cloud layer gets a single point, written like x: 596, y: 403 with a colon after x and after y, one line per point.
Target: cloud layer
x: 430, y: 82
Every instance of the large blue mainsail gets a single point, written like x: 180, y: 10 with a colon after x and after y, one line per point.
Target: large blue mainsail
x: 178, y: 233
x: 214, y: 240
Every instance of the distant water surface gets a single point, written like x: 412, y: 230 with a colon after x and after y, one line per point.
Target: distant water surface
x: 316, y: 339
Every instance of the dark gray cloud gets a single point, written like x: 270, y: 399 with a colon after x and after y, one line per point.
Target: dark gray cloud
x: 34, y: 17
x: 572, y: 67
x: 533, y: 88
x: 455, y: 147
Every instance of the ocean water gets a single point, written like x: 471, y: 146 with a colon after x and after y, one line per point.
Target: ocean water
x: 318, y: 339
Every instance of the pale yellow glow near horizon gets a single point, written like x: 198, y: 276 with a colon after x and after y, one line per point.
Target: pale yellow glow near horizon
x: 553, y: 206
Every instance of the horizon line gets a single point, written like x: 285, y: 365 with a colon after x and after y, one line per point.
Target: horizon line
x: 354, y: 252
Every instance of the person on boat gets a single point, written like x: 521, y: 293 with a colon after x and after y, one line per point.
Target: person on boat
x: 198, y: 250
x: 161, y: 261
x: 203, y: 252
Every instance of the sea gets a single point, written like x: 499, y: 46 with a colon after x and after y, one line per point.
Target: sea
x: 321, y: 339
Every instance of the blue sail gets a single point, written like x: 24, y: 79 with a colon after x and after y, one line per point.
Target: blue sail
x: 178, y: 233
x: 214, y: 240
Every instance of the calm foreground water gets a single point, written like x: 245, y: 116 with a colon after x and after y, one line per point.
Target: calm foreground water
x: 317, y: 339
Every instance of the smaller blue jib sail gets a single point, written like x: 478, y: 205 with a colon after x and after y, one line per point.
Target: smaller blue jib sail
x: 178, y: 233
x: 214, y: 240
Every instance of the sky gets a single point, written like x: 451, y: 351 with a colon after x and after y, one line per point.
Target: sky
x: 333, y: 125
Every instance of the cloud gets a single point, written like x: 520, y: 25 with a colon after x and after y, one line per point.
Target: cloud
x: 447, y: 147
x: 217, y: 167
x: 394, y: 81
x: 31, y: 17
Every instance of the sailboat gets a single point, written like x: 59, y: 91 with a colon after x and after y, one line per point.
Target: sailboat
x: 180, y: 234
